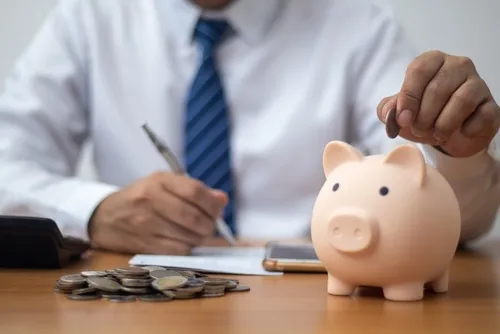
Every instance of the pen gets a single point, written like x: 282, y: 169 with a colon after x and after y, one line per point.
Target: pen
x: 168, y: 155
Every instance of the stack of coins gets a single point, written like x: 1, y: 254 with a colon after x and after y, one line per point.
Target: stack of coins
x: 150, y: 284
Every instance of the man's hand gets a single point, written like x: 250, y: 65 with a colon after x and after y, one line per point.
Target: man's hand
x: 163, y: 213
x: 444, y: 102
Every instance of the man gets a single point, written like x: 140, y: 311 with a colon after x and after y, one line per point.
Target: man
x: 246, y: 93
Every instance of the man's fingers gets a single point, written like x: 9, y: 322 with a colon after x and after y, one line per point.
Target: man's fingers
x: 418, y: 75
x: 183, y: 213
x: 483, y: 122
x: 161, y: 227
x: 161, y: 245
x: 436, y: 95
x: 195, y: 192
x: 385, y: 105
x: 462, y: 104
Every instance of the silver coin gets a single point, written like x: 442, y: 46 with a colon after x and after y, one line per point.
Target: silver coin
x: 189, y: 290
x: 231, y: 285
x: 132, y: 271
x: 136, y: 291
x: 153, y: 268
x: 112, y: 295
x: 188, y: 273
x: 169, y: 283
x: 168, y: 293
x: 195, y: 282
x: 136, y: 283
x: 122, y: 299
x: 239, y: 288
x: 62, y: 291
x: 63, y: 285
x: 94, y: 273
x: 72, y: 279
x: 212, y: 295
x: 84, y: 297
x: 164, y: 273
x: 213, y: 289
x: 104, y: 284
x: 84, y: 291
x: 155, y: 298
x: 186, y: 295
x: 215, y: 281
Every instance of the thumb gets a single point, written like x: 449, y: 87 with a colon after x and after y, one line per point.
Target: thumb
x: 220, y: 195
x: 385, y: 105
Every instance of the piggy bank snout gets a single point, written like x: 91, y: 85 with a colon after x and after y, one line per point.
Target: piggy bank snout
x: 352, y: 230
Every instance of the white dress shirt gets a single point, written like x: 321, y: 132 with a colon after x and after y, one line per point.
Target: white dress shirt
x: 297, y: 74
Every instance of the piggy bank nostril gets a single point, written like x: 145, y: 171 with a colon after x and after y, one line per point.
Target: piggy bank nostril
x: 336, y: 231
x: 358, y: 234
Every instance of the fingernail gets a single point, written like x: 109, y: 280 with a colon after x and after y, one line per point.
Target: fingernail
x: 439, y: 138
x: 405, y: 118
x: 417, y: 133
x: 384, y: 110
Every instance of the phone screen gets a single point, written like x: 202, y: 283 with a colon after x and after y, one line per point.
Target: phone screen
x: 292, y: 252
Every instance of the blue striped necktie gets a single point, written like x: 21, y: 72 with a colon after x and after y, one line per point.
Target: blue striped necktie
x: 207, y: 141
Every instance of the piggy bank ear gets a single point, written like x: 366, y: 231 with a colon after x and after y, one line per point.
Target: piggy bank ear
x: 410, y: 158
x: 337, y: 153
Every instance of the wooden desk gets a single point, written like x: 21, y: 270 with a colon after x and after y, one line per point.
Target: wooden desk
x: 288, y: 304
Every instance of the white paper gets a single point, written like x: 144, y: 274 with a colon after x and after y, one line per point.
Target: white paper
x: 255, y: 252
x: 231, y: 265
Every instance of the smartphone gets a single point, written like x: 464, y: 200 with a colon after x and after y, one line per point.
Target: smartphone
x: 291, y: 257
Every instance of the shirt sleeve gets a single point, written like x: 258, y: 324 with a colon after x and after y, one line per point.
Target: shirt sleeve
x: 44, y: 124
x: 381, y: 65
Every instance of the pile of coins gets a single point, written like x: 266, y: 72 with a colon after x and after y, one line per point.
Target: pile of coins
x: 150, y: 284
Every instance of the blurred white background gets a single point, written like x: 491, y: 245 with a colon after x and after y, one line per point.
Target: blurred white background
x: 459, y: 27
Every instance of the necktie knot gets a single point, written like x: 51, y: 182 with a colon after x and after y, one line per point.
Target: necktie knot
x: 209, y: 32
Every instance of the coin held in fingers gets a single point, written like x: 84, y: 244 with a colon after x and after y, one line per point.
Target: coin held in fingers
x: 392, y: 127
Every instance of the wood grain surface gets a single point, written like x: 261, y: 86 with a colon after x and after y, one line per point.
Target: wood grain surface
x: 293, y: 303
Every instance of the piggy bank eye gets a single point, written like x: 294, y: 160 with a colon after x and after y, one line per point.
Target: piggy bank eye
x: 336, y: 187
x: 383, y: 191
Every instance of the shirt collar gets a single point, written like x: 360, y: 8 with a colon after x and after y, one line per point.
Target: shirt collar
x: 251, y: 19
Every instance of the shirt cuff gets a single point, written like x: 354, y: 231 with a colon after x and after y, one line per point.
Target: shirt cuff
x: 457, y: 168
x: 81, y: 204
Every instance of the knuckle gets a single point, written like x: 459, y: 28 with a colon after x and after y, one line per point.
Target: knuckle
x: 195, y: 191
x: 445, y: 130
x: 467, y: 96
x: 206, y: 230
x: 465, y: 62
x: 190, y: 216
x: 141, y: 193
x: 436, y: 53
x: 418, y: 69
x: 488, y: 116
x: 155, y: 176
x: 437, y: 88
x: 139, y: 221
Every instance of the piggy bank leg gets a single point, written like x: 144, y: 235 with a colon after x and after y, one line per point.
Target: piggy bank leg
x: 405, y: 292
x: 339, y: 288
x: 440, y: 285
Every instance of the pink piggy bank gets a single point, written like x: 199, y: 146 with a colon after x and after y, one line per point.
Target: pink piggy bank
x: 388, y: 221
